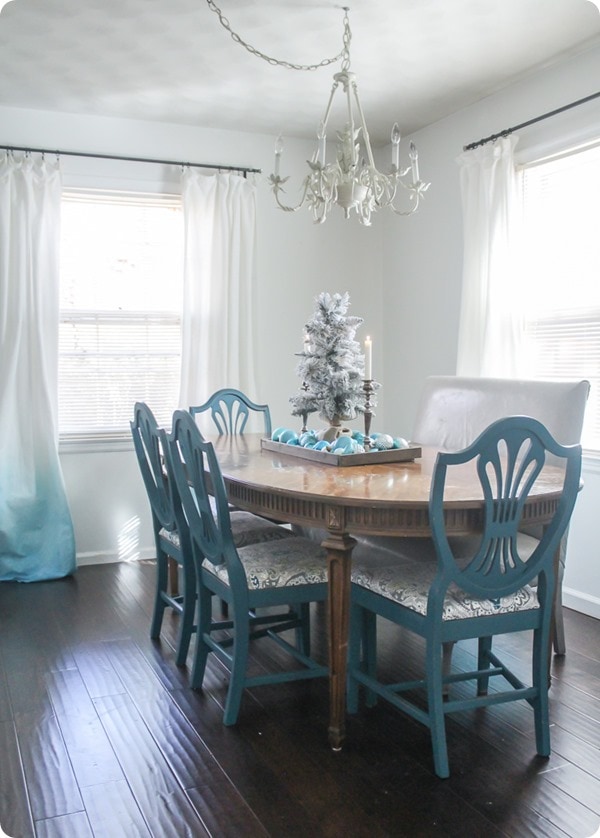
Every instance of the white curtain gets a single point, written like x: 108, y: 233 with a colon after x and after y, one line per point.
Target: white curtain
x: 36, y: 531
x: 489, y: 332
x: 219, y: 279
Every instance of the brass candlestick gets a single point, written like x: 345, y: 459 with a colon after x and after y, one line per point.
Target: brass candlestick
x: 368, y: 413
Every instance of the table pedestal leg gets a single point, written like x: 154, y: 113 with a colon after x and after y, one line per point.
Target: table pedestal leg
x: 339, y: 553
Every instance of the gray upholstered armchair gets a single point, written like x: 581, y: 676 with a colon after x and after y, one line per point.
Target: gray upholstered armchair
x: 454, y: 410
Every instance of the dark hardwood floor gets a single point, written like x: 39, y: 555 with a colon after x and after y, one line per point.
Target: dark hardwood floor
x: 100, y: 735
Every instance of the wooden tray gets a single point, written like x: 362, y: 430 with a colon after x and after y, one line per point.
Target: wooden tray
x: 393, y: 455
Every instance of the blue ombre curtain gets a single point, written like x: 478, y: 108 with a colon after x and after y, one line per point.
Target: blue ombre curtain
x: 36, y: 531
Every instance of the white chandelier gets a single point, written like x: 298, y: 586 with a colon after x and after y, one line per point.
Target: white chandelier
x: 352, y: 181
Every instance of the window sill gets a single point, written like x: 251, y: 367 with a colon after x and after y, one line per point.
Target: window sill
x: 94, y: 444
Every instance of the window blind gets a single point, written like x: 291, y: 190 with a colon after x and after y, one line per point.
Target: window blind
x: 120, y: 312
x: 561, y: 274
x: 110, y: 361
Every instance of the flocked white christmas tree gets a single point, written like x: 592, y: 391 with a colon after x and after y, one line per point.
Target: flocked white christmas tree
x: 331, y: 367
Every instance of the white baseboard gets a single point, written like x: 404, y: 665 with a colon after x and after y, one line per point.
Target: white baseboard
x: 107, y: 557
x: 584, y: 603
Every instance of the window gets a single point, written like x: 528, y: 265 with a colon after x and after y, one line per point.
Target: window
x: 120, y: 310
x: 561, y: 285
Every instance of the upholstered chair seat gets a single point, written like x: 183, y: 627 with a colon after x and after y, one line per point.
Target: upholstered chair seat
x: 246, y: 529
x: 278, y: 564
x: 406, y: 575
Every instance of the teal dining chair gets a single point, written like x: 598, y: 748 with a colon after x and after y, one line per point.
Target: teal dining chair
x: 175, y: 573
x: 448, y: 589
x: 270, y: 575
x: 230, y: 411
x: 174, y: 589
x: 453, y: 410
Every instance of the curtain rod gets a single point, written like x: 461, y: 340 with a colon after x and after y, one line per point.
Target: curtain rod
x: 244, y: 169
x: 508, y: 131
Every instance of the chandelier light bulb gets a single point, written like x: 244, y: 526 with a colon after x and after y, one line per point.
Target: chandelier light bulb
x: 414, y: 162
x: 278, y: 151
x: 395, y: 146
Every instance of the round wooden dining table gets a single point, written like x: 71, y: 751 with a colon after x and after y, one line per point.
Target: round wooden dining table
x: 387, y: 499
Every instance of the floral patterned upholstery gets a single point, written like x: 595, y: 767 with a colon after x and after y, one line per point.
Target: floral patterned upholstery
x: 406, y: 573
x: 277, y: 564
x: 246, y: 529
x: 170, y: 535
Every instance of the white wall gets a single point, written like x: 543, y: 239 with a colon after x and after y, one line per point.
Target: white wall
x: 423, y: 262
x: 296, y: 261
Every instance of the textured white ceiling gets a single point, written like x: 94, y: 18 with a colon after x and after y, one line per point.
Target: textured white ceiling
x: 416, y: 60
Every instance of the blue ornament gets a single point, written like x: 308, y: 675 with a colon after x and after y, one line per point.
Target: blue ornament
x: 400, y: 442
x: 308, y: 439
x: 344, y: 445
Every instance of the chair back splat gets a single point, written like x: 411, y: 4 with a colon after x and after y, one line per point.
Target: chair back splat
x: 283, y: 576
x: 448, y: 589
x: 171, y: 535
x: 510, y: 457
x: 230, y: 410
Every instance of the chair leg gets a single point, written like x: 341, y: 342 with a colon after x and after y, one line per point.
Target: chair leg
x: 162, y: 576
x: 435, y: 706
x: 186, y: 625
x: 204, y: 607
x: 560, y: 646
x: 483, y: 662
x: 447, y: 650
x: 239, y: 667
x: 540, y: 702
x: 303, y: 630
x: 370, y: 642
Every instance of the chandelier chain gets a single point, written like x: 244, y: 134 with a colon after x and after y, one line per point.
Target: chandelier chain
x: 343, y: 56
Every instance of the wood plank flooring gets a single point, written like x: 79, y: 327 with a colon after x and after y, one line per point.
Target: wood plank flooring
x: 100, y: 735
